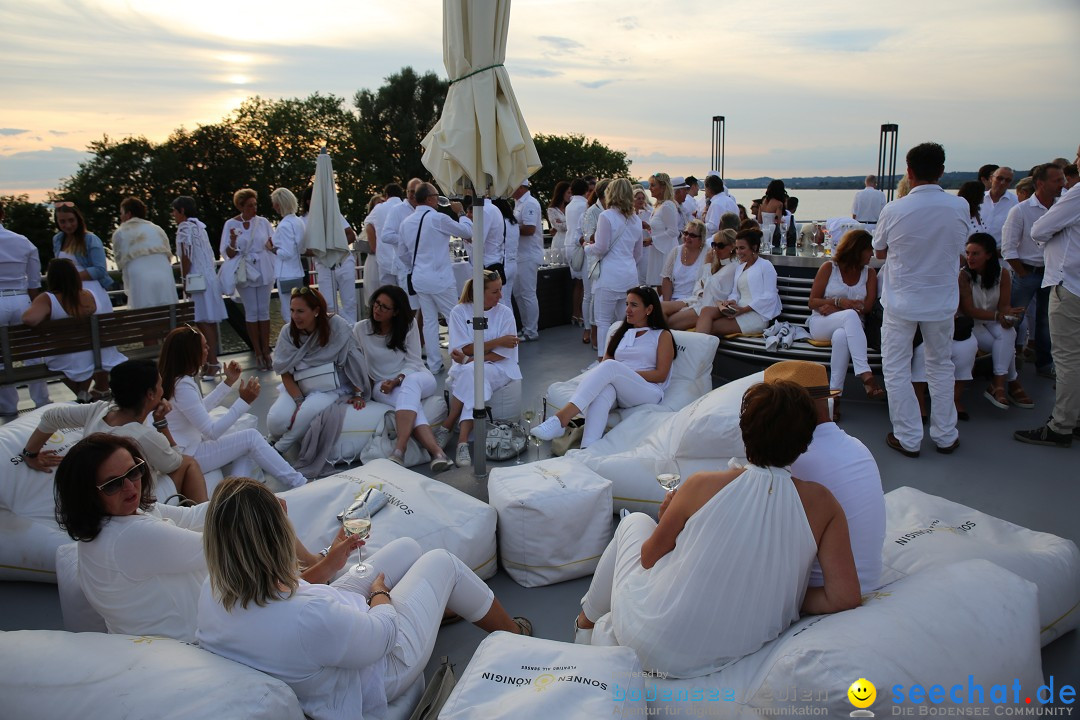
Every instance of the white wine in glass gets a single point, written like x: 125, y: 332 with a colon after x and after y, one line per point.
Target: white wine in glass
x: 356, y: 520
x: 667, y: 474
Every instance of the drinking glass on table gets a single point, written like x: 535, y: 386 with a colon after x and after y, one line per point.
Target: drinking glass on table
x: 356, y: 520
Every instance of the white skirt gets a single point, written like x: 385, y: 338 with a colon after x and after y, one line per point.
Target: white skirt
x: 148, y: 282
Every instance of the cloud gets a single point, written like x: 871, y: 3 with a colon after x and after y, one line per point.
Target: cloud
x: 535, y: 72
x: 594, y: 84
x: 38, y: 168
x: 562, y: 44
x: 13, y: 131
x: 846, y: 41
x: 628, y: 23
x: 59, y: 133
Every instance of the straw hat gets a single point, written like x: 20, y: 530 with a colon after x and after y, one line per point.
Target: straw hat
x: 811, y: 376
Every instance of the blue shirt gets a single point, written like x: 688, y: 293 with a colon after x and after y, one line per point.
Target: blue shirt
x: 94, y: 259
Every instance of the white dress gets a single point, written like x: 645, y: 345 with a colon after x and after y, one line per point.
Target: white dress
x: 79, y: 366
x: 557, y: 220
x: 101, y: 295
x: 665, y: 237
x: 142, y: 252
x: 193, y: 243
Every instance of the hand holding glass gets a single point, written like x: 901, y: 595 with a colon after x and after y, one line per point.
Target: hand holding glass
x: 357, y: 521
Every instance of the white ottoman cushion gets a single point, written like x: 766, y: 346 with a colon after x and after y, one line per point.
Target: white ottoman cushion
x: 937, y: 627
x: 361, y: 425
x: 505, y: 403
x: 924, y: 531
x: 79, y: 615
x: 51, y: 674
x: 554, y: 519
x: 434, y: 514
x: 511, y: 676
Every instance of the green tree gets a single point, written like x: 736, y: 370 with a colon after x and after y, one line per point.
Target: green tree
x: 32, y: 220
x: 566, y: 157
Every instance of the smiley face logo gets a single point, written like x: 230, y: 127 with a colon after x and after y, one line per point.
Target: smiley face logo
x: 862, y: 693
x: 543, y: 681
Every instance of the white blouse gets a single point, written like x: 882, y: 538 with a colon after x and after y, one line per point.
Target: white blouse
x: 289, y: 243
x: 384, y: 363
x: 665, y: 227
x: 500, y: 321
x: 683, y: 277
x: 251, y: 243
x: 189, y: 420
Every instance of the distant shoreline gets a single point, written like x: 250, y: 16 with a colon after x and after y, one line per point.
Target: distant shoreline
x: 949, y: 181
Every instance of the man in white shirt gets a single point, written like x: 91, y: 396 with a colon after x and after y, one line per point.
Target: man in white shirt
x: 686, y: 205
x: 1058, y: 232
x: 390, y: 236
x: 20, y: 281
x: 493, y: 236
x: 1026, y: 259
x: 922, y: 236
x: 997, y: 202
x: 693, y: 189
x: 530, y: 255
x: 385, y: 252
x: 429, y: 231
x: 868, y: 202
x: 717, y: 202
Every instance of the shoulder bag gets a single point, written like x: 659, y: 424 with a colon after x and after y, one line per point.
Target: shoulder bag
x: 577, y: 256
x: 416, y: 247
x: 504, y: 440
x: 594, y: 272
x: 436, y: 693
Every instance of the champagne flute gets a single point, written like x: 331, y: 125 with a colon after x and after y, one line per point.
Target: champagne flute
x: 535, y: 407
x: 356, y: 520
x: 528, y: 420
x: 668, y: 474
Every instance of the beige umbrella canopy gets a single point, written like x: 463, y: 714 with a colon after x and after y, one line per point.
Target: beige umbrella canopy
x: 324, y: 233
x: 481, y: 141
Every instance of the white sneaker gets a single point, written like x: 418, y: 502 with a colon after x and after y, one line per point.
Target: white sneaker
x: 441, y: 463
x: 463, y: 458
x: 441, y: 435
x: 549, y: 429
x: 397, y: 457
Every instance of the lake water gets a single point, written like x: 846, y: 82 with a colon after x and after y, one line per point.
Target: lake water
x: 813, y: 204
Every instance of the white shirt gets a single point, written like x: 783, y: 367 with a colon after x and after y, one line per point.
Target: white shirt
x: 575, y: 213
x: 993, y: 214
x: 189, y: 420
x: 493, y: 234
x: 375, y: 219
x: 433, y: 271
x: 324, y: 642
x: 683, y: 278
x: 847, y: 469
x: 761, y: 278
x: 392, y: 236
x: 924, y: 233
x: 1016, y: 242
x: 618, y: 261
x: 1058, y: 231
x: 384, y: 363
x: 689, y: 209
x: 718, y: 205
x: 665, y: 228
x: 288, y: 241
x: 500, y: 321
x: 20, y: 263
x: 527, y: 212
x: 143, y: 572
x: 866, y: 207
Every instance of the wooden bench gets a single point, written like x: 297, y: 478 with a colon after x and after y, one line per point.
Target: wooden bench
x: 795, y: 309
x: 127, y: 329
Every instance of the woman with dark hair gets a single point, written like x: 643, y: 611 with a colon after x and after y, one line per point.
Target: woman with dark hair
x: 634, y: 371
x: 213, y: 442
x: 974, y: 193
x: 137, y: 395
x: 346, y: 649
x: 985, y: 290
x: 770, y: 213
x: 652, y: 577
x: 844, y: 290
x: 67, y: 298
x: 390, y: 342
x: 197, y: 260
x: 511, y: 240
x: 753, y: 301
x: 500, y: 360
x: 556, y: 215
x: 141, y: 250
x: 319, y: 363
x: 643, y: 209
x: 249, y: 237
x: 575, y: 213
x: 82, y: 247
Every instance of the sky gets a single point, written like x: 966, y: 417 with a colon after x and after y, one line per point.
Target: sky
x: 804, y: 86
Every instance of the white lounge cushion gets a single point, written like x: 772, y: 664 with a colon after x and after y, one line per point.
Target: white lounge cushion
x: 505, y: 403
x: 361, y: 425
x: 554, y: 519
x: 431, y: 512
x: 52, y: 674
x: 525, y: 678
x: 924, y: 531
x: 703, y: 436
x: 936, y: 627
x: 691, y: 377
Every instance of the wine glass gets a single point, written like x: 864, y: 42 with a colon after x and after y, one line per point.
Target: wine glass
x: 667, y: 474
x: 535, y: 408
x: 356, y: 520
x: 528, y: 420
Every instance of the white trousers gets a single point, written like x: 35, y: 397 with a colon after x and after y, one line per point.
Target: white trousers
x: 340, y: 281
x: 621, y: 557
x: 587, y: 311
x: 431, y: 306
x: 463, y: 382
x: 277, y: 419
x: 12, y: 308
x: 1000, y: 343
x: 601, y: 388
x: 896, y: 350
x: 371, y: 277
x: 245, y: 449
x: 410, y: 394
x: 963, y: 354
x: 256, y: 300
x: 1064, y: 318
x: 510, y: 269
x: 424, y: 586
x: 525, y: 294
x: 608, y: 306
x: 845, y: 329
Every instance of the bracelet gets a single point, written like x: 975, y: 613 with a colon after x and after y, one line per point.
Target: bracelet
x: 401, y: 378
x: 836, y: 301
x: 379, y: 592
x: 28, y: 455
x: 161, y: 424
x: 325, y: 551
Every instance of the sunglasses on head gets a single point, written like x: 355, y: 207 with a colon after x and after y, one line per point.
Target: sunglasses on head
x: 63, y: 203
x: 304, y: 290
x: 111, y: 487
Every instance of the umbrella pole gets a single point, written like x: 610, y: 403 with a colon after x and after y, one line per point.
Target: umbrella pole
x: 479, y: 326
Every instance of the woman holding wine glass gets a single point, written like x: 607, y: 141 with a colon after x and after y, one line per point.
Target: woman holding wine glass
x: 249, y: 236
x: 346, y: 649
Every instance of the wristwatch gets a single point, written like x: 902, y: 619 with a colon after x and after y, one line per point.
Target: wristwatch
x: 28, y: 455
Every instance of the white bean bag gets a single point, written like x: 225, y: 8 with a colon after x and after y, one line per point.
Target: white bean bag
x: 527, y: 678
x: 691, y: 377
x: 362, y: 425
x: 505, y: 403
x: 554, y: 519
x: 936, y: 627
x: 703, y: 436
x: 434, y: 514
x: 51, y: 674
x: 925, y: 531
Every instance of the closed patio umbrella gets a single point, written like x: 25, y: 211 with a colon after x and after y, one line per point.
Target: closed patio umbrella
x: 323, y: 233
x: 481, y: 141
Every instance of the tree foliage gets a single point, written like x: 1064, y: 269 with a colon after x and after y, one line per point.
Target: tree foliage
x: 32, y: 220
x: 566, y: 157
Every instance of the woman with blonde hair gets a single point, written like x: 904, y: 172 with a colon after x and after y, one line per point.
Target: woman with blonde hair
x: 616, y: 247
x: 346, y: 649
x: 248, y: 236
x: 683, y: 267
x: 663, y: 226
x: 287, y: 246
x: 712, y: 287
x: 588, y: 229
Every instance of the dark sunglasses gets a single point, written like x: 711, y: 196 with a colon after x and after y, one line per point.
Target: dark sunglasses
x: 719, y: 245
x: 690, y: 234
x: 111, y: 487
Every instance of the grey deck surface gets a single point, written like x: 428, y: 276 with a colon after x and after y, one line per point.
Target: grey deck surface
x: 1037, y: 488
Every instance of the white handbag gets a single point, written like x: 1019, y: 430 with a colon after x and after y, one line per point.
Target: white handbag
x: 321, y: 378
x: 194, y: 282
